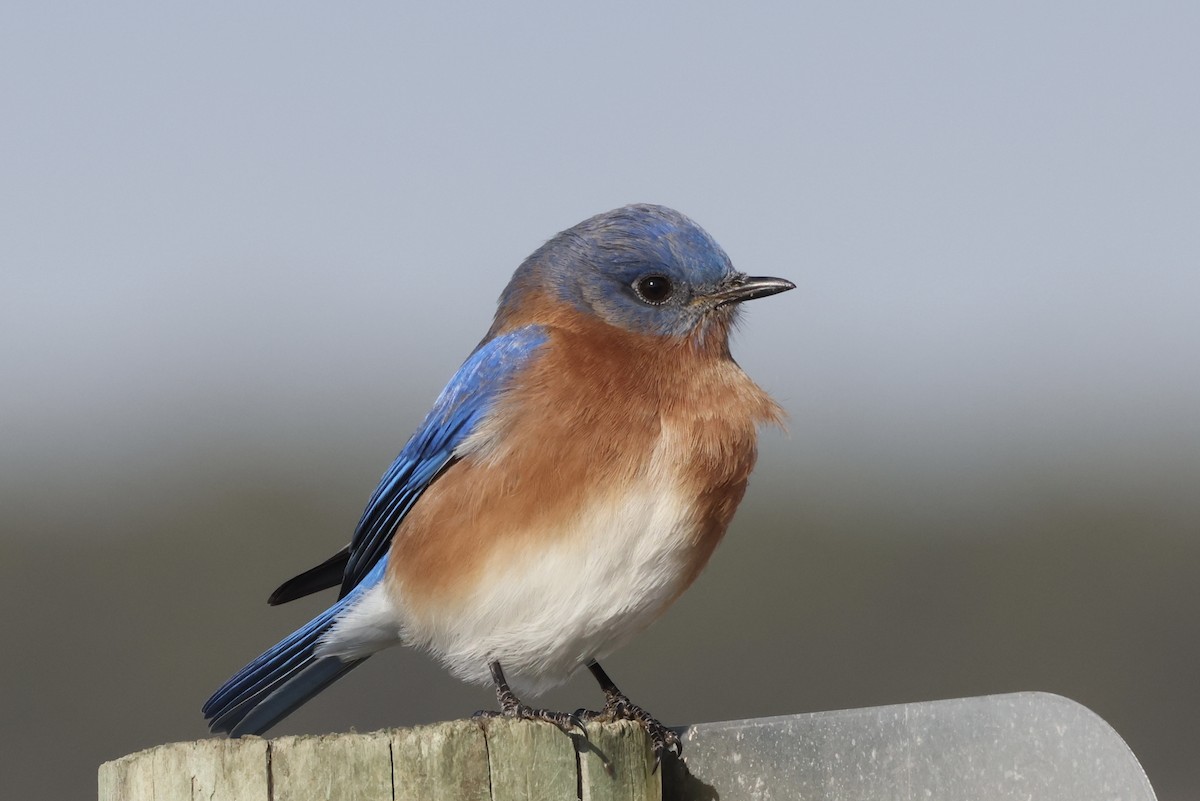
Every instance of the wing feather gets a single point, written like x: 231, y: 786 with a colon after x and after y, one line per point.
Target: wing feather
x: 463, y: 404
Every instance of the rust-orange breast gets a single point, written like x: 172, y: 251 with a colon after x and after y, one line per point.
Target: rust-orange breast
x: 580, y: 424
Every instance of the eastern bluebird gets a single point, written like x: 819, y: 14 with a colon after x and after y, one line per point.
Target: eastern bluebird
x: 571, y: 481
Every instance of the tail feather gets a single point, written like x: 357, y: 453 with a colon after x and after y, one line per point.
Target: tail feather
x: 325, y: 575
x: 256, y: 715
x: 271, y: 667
x: 286, y: 675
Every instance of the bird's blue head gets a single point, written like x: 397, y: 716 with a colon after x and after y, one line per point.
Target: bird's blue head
x: 642, y: 268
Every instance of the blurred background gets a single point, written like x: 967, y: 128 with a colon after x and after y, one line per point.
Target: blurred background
x: 243, y: 247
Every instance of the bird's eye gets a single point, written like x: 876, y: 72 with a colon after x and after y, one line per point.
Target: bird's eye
x: 654, y: 289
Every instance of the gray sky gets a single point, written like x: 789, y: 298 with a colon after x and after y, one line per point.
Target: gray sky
x: 242, y: 247
x: 279, y: 209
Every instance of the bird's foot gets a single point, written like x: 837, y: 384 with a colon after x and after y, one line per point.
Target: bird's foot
x: 617, y: 706
x: 511, y: 707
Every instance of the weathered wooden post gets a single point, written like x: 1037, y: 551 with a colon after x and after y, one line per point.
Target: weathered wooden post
x: 491, y: 760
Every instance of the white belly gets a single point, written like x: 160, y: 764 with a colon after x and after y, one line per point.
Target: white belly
x: 545, y: 609
x: 554, y: 599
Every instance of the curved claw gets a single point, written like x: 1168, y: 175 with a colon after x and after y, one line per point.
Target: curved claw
x: 663, y: 740
x: 577, y: 723
x: 567, y: 721
x: 589, y: 715
x: 511, y: 706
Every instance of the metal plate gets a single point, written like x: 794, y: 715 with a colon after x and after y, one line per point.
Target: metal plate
x: 1018, y: 747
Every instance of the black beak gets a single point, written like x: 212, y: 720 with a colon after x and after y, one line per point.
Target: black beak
x: 750, y: 287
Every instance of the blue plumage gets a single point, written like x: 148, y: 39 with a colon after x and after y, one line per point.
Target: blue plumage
x: 460, y: 407
x: 285, y: 676
x: 594, y: 267
x: 288, y: 674
x: 574, y: 516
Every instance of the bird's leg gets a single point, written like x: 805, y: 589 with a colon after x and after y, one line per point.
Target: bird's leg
x: 617, y: 706
x: 511, y: 707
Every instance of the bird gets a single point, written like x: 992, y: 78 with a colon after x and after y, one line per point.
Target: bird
x: 569, y: 483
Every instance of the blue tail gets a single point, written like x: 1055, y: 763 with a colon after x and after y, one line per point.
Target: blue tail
x: 275, y: 684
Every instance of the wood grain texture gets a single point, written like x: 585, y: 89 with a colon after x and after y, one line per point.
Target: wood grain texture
x: 444, y: 762
x: 530, y: 762
x: 617, y: 764
x: 346, y: 767
x: 492, y: 760
x: 205, y: 770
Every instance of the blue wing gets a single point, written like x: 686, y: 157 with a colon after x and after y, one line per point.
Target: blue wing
x: 288, y: 674
x: 463, y: 403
